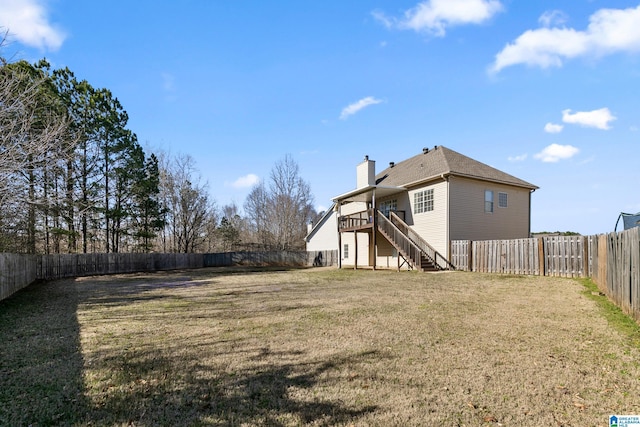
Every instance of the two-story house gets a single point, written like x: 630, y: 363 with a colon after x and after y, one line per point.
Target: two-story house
x: 407, y: 214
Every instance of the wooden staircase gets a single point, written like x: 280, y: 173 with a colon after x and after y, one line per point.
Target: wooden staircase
x: 426, y: 264
x: 416, y: 252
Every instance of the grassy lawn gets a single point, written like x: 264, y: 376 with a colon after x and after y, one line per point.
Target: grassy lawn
x: 319, y: 347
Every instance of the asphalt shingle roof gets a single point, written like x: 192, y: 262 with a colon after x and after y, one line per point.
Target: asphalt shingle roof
x: 439, y: 161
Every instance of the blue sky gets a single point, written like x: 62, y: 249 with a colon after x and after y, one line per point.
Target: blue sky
x: 547, y: 91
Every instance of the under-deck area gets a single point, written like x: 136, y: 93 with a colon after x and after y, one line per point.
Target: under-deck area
x: 390, y: 227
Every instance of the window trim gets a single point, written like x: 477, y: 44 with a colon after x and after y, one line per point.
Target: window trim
x: 387, y: 206
x: 488, y: 201
x: 426, y: 202
x: 345, y: 251
x: 506, y: 199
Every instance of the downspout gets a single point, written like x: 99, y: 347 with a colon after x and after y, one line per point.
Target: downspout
x: 447, y: 236
x: 529, y: 225
x: 355, y: 260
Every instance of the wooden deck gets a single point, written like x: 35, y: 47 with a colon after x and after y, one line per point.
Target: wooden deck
x: 359, y: 221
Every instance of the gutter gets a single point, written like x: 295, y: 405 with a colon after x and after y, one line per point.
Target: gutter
x: 448, y: 174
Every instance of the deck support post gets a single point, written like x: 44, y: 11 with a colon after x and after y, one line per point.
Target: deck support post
x: 355, y: 261
x: 374, y: 220
x: 339, y: 236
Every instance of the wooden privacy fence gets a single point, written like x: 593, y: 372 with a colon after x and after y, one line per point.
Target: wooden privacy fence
x: 611, y: 260
x: 287, y: 258
x: 616, y: 268
x: 506, y: 256
x: 18, y: 271
x: 60, y: 266
x: 563, y: 256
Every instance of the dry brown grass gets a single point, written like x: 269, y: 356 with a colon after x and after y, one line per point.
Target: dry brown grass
x: 319, y: 347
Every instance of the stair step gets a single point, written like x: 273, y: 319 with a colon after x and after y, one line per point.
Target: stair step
x: 424, y: 264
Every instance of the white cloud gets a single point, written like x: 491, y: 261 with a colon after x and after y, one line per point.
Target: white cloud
x: 609, y: 31
x: 383, y: 19
x: 246, y: 181
x: 556, y: 152
x: 588, y: 160
x: 552, y: 18
x: 519, y: 158
x: 544, y: 47
x: 553, y: 128
x: 596, y: 119
x: 357, y: 106
x: 27, y: 21
x: 434, y: 16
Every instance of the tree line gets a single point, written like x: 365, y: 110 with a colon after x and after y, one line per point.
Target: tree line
x: 75, y: 179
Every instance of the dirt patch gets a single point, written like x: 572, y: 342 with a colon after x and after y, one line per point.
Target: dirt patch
x: 342, y: 347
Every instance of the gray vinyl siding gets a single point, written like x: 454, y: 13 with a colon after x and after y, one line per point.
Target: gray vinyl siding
x: 469, y: 221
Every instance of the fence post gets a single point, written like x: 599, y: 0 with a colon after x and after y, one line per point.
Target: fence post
x: 541, y: 257
x: 585, y: 256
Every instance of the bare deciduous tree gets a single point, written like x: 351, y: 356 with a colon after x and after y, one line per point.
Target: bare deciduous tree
x: 32, y: 128
x: 191, y: 215
x: 26, y: 134
x: 280, y: 210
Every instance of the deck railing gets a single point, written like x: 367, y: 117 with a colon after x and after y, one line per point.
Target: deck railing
x: 356, y: 220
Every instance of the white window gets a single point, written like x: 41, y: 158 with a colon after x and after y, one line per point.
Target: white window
x: 423, y: 201
x: 502, y: 200
x: 488, y: 201
x: 345, y: 252
x: 388, y: 206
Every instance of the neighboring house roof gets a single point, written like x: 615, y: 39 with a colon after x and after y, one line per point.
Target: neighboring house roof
x: 320, y: 223
x: 432, y: 164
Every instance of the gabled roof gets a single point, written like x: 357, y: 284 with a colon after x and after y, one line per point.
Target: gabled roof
x: 440, y: 161
x: 320, y: 223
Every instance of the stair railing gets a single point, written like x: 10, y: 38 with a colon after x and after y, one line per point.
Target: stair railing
x: 439, y: 261
x: 403, y: 244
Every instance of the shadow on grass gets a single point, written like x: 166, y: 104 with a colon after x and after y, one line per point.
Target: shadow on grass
x: 133, y: 288
x: 42, y: 375
x: 149, y: 392
x: 41, y: 364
